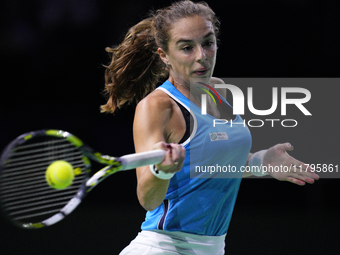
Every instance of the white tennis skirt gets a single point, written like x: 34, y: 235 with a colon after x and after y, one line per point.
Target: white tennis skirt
x: 168, y: 242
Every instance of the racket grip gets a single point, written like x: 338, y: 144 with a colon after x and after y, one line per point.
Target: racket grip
x: 132, y: 161
x: 128, y: 162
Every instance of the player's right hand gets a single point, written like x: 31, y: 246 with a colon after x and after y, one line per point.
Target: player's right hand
x: 174, y: 157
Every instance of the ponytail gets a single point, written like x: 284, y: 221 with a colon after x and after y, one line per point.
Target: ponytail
x: 135, y: 67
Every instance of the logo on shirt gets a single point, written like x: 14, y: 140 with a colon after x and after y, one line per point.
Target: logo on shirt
x: 218, y: 136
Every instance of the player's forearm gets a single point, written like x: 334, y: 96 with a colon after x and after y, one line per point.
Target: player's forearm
x: 247, y: 174
x: 151, y: 190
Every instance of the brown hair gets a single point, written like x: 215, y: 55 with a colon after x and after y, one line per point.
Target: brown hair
x: 136, y: 67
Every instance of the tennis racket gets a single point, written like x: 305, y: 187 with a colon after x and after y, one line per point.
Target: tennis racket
x: 25, y: 196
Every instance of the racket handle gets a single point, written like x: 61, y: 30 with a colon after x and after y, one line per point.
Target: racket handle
x: 132, y: 161
x: 128, y: 162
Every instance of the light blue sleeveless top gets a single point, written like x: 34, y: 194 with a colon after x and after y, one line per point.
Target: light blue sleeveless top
x: 199, y: 201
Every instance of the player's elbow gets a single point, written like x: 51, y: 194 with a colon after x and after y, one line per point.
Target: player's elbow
x: 148, y: 207
x: 148, y: 203
x: 151, y: 191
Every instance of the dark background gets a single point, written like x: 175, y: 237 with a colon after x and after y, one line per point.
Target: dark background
x: 52, y: 53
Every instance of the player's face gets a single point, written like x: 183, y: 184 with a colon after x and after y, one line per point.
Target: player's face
x: 191, y: 50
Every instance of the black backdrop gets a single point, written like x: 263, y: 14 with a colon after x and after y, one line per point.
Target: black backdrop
x: 52, y: 54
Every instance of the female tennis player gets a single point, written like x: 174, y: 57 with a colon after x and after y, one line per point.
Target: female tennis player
x: 184, y: 215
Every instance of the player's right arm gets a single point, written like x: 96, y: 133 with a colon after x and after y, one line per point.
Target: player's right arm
x: 151, y: 130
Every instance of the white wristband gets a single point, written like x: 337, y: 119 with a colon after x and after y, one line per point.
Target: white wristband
x: 160, y: 174
x: 255, y: 163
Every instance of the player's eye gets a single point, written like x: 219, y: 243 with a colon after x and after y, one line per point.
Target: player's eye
x: 209, y: 43
x: 187, y: 48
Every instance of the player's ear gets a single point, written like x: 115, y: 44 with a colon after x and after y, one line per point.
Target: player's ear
x: 163, y: 55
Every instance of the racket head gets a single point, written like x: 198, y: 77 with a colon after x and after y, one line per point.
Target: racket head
x: 25, y: 196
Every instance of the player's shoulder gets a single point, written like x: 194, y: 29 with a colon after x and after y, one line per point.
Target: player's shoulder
x: 215, y: 80
x: 156, y: 101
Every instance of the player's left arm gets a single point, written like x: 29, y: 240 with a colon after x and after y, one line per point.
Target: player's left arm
x: 287, y: 168
x: 247, y: 173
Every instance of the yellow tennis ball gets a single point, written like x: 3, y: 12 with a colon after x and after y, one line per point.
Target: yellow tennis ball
x: 59, y: 174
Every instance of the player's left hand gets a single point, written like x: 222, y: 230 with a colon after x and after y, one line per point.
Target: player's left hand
x: 290, y: 169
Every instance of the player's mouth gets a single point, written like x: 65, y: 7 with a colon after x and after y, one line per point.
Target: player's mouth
x: 201, y: 71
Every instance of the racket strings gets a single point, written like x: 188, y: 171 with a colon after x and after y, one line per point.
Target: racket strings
x: 40, y: 157
x: 46, y: 144
x: 34, y: 190
x: 28, y: 192
x: 45, y: 213
x: 25, y: 193
x: 29, y: 198
x: 34, y: 207
x: 18, y: 175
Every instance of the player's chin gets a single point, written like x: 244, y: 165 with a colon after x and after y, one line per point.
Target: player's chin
x: 200, y: 78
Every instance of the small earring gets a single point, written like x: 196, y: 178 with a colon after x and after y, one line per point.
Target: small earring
x: 167, y: 64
